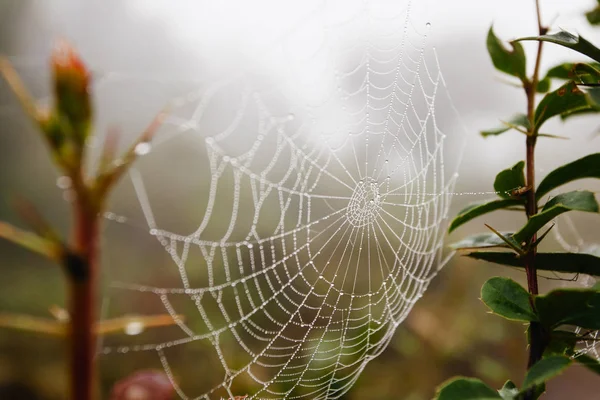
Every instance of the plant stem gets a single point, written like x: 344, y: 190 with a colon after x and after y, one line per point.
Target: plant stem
x: 537, y: 340
x: 82, y: 272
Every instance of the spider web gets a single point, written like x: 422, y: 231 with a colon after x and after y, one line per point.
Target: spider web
x: 324, y: 198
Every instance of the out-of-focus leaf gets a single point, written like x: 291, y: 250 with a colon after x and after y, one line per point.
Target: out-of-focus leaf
x: 466, y: 389
x: 566, y: 39
x: 586, y: 167
x: 593, y: 16
x: 543, y: 85
x: 480, y: 208
x: 565, y: 100
x: 570, y: 201
x: 544, y: 370
x: 517, y: 120
x: 508, y: 299
x: 512, y: 62
x: 569, y: 307
x: 576, y: 263
x: 510, y: 179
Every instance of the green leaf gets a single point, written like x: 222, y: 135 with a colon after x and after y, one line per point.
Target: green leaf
x: 480, y: 241
x: 574, y: 42
x: 586, y: 167
x: 509, y: 391
x: 544, y: 370
x: 466, y: 389
x: 512, y: 62
x: 586, y: 73
x: 589, y: 362
x: 510, y: 179
x: 567, y: 71
x: 477, y: 209
x: 571, y: 201
x: 517, y: 120
x: 508, y: 299
x: 561, y: 343
x: 577, y: 263
x: 569, y: 307
x: 593, y: 16
x: 565, y: 100
x: 543, y: 85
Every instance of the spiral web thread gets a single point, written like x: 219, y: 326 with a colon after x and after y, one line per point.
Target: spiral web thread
x: 325, y: 210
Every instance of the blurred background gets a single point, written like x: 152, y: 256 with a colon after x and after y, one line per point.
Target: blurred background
x: 148, y: 53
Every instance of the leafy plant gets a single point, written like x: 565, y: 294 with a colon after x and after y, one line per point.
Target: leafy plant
x: 551, y: 346
x: 66, y: 128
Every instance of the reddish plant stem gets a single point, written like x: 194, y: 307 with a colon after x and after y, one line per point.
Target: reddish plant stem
x: 82, y: 272
x: 537, y: 337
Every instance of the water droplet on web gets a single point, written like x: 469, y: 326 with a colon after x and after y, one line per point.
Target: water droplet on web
x: 134, y: 328
x: 63, y: 182
x: 428, y: 24
x: 142, y: 148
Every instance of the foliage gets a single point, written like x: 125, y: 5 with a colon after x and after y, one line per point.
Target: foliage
x: 66, y: 128
x: 554, y: 318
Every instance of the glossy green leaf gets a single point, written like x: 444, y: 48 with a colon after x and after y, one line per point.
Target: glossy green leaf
x: 567, y: 99
x: 508, y: 299
x: 512, y: 62
x: 589, y: 362
x: 509, y: 391
x: 466, y: 389
x: 574, y: 42
x: 569, y: 307
x: 480, y: 241
x: 544, y: 370
x: 576, y: 263
x: 510, y: 179
x: 586, y: 167
x: 477, y: 209
x: 571, y: 201
x: 517, y: 120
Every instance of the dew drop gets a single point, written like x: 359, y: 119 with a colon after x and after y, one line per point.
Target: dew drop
x: 63, y: 182
x: 142, y: 148
x: 428, y: 24
x: 134, y: 328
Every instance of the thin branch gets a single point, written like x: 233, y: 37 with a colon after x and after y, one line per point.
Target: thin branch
x: 18, y: 88
x: 108, y: 178
x: 29, y: 240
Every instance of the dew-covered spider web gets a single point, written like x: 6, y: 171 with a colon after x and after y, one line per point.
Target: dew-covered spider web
x: 320, y: 194
x: 324, y: 203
